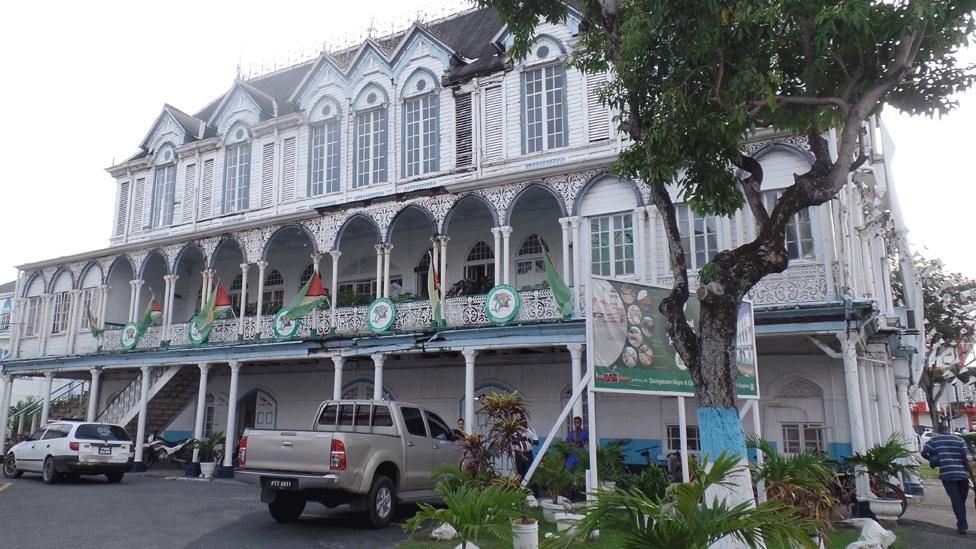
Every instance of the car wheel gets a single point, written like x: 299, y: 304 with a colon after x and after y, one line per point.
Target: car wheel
x: 148, y: 458
x: 287, y: 507
x: 49, y: 473
x: 114, y: 477
x: 10, y: 469
x: 381, y: 502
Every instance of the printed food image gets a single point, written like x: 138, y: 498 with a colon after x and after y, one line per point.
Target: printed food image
x: 634, y: 315
x: 634, y: 336
x: 630, y: 357
x: 627, y: 294
x: 647, y: 326
x: 645, y: 355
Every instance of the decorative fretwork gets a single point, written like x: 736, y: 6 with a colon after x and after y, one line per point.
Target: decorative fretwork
x: 799, y: 284
x: 415, y: 315
x: 797, y: 140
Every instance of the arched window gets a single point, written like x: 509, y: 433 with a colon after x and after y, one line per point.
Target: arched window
x: 422, y: 269
x: 306, y: 274
x: 479, y: 266
x: 421, y: 125
x: 234, y: 293
x: 274, y: 292
x: 371, y: 162
x: 530, y: 269
x: 324, y: 148
x: 163, y: 188
x: 237, y: 170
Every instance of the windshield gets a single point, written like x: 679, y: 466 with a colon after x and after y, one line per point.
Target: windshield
x: 100, y: 431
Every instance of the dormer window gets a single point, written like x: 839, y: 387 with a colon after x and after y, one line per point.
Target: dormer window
x: 237, y: 170
x: 324, y: 148
x: 544, y: 108
x: 371, y: 137
x: 421, y: 125
x: 163, y: 188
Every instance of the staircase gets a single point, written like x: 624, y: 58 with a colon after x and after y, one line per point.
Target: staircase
x: 170, y: 390
x: 75, y: 407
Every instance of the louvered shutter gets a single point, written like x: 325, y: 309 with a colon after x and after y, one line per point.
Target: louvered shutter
x: 267, y: 174
x: 462, y: 128
x: 494, y: 113
x: 189, y: 192
x: 206, y: 190
x: 288, y: 170
x: 123, y: 212
x: 138, y: 207
x: 597, y: 115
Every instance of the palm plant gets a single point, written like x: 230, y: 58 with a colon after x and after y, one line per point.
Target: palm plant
x: 653, y: 482
x: 208, y: 447
x: 476, y: 513
x: 883, y: 463
x: 686, y: 518
x: 508, y: 418
x: 553, y: 474
x: 802, y: 481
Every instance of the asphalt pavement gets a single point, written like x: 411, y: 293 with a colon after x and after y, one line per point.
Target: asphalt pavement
x: 150, y: 510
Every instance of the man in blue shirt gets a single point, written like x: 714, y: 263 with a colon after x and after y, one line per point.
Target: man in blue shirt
x: 578, y: 438
x: 954, y: 471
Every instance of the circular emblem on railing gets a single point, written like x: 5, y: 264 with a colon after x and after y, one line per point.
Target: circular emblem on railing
x: 380, y: 315
x: 194, y: 334
x: 129, y: 336
x: 283, y: 329
x: 502, y: 303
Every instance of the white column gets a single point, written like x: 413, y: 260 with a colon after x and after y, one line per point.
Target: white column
x: 103, y: 304
x: 44, y: 327
x: 6, y: 386
x: 201, y: 407
x: 230, y: 434
x: 469, y: 355
x: 854, y: 410
x: 757, y: 431
x: 143, y: 411
x: 576, y: 372
x: 387, y: 250
x: 316, y: 258
x: 639, y: 244
x: 240, y: 319
x: 506, y: 256
x: 338, y: 362
x: 443, y: 270
x: 96, y: 378
x: 167, y: 291
x: 683, y: 438
x: 902, y: 380
x: 204, y: 293
x: 262, y: 265
x: 135, y: 302
x: 210, y: 282
x: 46, y: 406
x: 652, y: 248
x: 335, y: 285
x: 378, y: 359
x: 864, y: 398
x: 132, y: 300
x: 884, y: 401
x: 594, y: 437
x: 379, y: 270
x: 20, y: 423
x: 496, y: 232
x: 73, y: 321
x: 567, y: 275
x: 574, y: 223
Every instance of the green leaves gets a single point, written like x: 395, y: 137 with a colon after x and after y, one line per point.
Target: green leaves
x: 477, y: 513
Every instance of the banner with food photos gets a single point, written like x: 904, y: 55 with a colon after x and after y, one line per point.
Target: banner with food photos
x: 628, y: 344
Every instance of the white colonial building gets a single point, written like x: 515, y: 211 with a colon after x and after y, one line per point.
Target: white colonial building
x: 361, y: 162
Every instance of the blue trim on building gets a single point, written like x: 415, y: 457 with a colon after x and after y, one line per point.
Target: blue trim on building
x: 839, y: 451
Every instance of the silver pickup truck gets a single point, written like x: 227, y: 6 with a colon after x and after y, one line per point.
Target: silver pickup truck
x: 367, y: 453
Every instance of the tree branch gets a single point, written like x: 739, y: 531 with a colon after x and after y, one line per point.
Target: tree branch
x: 751, y: 188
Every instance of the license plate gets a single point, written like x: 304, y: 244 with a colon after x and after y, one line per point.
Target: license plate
x: 105, y: 451
x: 280, y: 483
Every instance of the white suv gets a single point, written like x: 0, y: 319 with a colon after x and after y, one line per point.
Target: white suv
x: 70, y: 448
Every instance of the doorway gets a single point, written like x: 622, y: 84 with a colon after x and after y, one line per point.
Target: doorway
x: 256, y: 410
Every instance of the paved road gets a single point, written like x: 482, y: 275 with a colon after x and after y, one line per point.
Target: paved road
x: 152, y: 511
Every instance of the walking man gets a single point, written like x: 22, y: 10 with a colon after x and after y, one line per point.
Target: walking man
x: 948, y: 452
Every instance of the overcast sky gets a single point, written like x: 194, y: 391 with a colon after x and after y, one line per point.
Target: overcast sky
x: 85, y: 80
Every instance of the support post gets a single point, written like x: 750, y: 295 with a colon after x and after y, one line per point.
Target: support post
x: 335, y: 288
x: 639, y: 244
x: 757, y: 431
x: 137, y: 284
x: 262, y: 265
x: 864, y: 398
x: 576, y: 369
x: 139, y: 466
x: 194, y: 468
x: 46, y: 406
x: 567, y: 275
x: 96, y: 379
x: 6, y: 389
x: 337, y: 361
x: 227, y: 470
x: 574, y: 223
x: 506, y: 256
x: 496, y: 233
x: 469, y: 355
x: 378, y: 359
x: 683, y: 428
x: 387, y: 251
x: 379, y: 270
x: 854, y: 410
x: 594, y: 477
x: 443, y: 270
x: 73, y: 321
x: 240, y: 319
x: 884, y: 401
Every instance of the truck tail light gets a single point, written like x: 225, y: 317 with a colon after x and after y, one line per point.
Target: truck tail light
x: 337, y: 458
x: 242, y: 451
x: 74, y: 446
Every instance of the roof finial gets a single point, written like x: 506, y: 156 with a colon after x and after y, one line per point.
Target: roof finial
x: 371, y: 30
x: 238, y: 70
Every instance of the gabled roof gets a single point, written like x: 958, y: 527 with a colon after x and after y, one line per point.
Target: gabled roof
x: 8, y: 287
x: 193, y: 127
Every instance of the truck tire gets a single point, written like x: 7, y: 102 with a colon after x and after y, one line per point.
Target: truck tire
x: 286, y: 507
x: 380, y: 502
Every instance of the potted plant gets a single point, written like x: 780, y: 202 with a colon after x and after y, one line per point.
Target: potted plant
x: 883, y: 464
x: 477, y: 513
x: 208, y: 452
x: 556, y: 478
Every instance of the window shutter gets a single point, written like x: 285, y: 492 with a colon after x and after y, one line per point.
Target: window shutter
x: 189, y: 192
x: 206, y: 190
x: 267, y: 174
x: 288, y: 169
x: 120, y: 216
x: 597, y: 115
x: 138, y: 207
x: 462, y: 128
x: 493, y: 123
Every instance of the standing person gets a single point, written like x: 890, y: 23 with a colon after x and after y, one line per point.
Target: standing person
x: 459, y: 433
x: 523, y: 450
x: 674, y: 467
x: 948, y: 452
x: 577, y: 438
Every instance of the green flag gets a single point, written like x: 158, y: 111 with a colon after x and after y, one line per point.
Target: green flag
x: 96, y: 332
x: 214, y: 308
x: 433, y: 293
x: 561, y: 292
x: 152, y: 313
x: 307, y: 299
